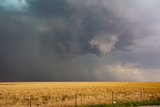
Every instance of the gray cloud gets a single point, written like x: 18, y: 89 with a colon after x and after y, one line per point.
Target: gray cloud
x: 45, y: 40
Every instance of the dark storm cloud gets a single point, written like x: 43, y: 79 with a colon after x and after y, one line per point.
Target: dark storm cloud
x: 49, y: 8
x: 83, y: 24
x: 45, y: 40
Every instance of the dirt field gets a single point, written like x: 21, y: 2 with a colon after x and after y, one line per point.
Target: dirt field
x: 55, y: 94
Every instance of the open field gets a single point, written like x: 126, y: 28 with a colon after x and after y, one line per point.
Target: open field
x: 60, y: 94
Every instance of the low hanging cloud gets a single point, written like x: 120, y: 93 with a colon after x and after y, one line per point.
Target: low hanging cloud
x: 104, y: 43
x: 121, y: 72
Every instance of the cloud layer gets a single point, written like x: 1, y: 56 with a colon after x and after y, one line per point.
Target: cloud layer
x: 68, y: 40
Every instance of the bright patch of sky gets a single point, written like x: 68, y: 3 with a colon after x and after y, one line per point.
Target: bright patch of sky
x: 14, y: 5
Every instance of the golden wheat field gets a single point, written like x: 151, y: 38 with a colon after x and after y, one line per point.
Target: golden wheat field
x: 64, y: 94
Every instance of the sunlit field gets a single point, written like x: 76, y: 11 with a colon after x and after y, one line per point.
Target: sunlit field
x: 60, y: 94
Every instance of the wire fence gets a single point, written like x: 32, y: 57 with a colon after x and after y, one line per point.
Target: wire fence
x: 112, y: 97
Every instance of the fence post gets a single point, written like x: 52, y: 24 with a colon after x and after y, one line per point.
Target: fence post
x: 30, y: 102
x: 112, y: 97
x: 141, y: 95
x: 76, y: 99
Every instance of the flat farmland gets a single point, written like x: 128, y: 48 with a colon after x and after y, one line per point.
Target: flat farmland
x: 66, y: 94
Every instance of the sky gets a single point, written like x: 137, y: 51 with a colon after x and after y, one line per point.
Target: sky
x: 79, y: 40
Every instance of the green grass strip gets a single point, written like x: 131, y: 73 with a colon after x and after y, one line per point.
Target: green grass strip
x: 145, y: 103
